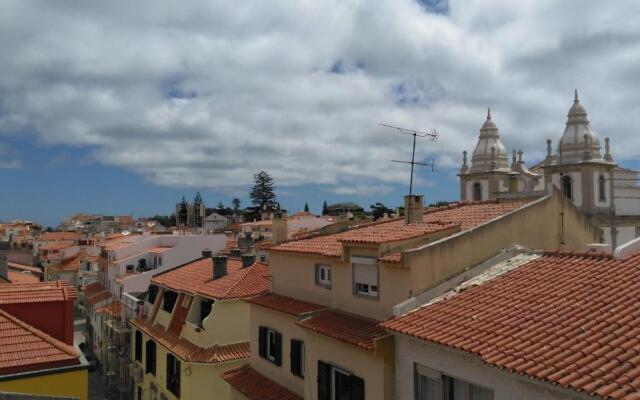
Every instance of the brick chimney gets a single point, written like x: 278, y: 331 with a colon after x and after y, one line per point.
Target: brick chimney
x: 4, y: 266
x: 219, y: 266
x: 413, y: 208
x: 206, y: 253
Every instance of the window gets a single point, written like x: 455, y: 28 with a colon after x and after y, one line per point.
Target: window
x: 323, y: 275
x: 337, y: 384
x: 270, y: 345
x: 297, y: 358
x: 139, y: 393
x: 150, y: 362
x: 477, y: 191
x: 567, y: 187
x: 429, y: 384
x: 138, y: 349
x: 169, y: 300
x: 173, y: 375
x: 152, y: 293
x: 160, y: 261
x: 602, y: 194
x: 130, y: 267
x: 365, y: 279
x: 205, y: 309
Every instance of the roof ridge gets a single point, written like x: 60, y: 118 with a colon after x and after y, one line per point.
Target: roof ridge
x: 583, y: 254
x: 237, y: 281
x: 42, y: 335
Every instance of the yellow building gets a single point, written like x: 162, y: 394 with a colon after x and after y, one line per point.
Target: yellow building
x: 317, y: 335
x: 33, y: 361
x: 197, y: 327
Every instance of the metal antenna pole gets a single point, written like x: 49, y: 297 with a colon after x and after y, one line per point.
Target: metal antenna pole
x: 413, y: 157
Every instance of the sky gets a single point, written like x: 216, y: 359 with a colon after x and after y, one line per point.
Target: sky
x: 122, y: 107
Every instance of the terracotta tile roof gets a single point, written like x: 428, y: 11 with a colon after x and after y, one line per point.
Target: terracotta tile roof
x: 98, y: 298
x: 287, y: 305
x: 349, y: 328
x: 71, y: 264
x: 125, y: 276
x: 93, y: 288
x: 113, y: 309
x: 24, y: 348
x: 37, y: 292
x: 22, y: 277
x: 56, y: 245
x: 23, y: 267
x: 160, y: 249
x: 256, y: 386
x: 56, y: 236
x: 466, y: 215
x: 572, y: 320
x: 197, y: 278
x: 392, y: 258
x: 188, y: 351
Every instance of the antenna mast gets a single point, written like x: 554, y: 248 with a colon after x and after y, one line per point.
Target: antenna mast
x: 432, y: 136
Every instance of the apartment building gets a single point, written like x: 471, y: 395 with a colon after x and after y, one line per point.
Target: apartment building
x: 37, y: 356
x: 532, y: 325
x: 197, y: 327
x: 317, y: 334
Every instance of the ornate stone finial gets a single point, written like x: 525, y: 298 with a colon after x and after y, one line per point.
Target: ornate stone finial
x: 488, y: 114
x: 464, y: 157
x: 520, y: 153
x: 513, y: 157
x: 548, y: 147
x: 607, y: 153
x: 575, y: 96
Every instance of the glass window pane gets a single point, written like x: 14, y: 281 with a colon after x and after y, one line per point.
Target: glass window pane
x: 478, y: 393
x: 427, y: 389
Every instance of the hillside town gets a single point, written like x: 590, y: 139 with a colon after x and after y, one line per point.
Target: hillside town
x: 525, y: 287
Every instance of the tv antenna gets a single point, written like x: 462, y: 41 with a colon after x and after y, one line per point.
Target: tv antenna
x: 432, y: 136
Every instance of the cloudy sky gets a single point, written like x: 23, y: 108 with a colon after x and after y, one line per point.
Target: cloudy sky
x: 121, y: 106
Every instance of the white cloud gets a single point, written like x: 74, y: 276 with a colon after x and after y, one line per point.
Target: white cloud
x: 205, y: 94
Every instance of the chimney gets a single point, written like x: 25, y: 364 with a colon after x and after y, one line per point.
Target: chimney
x: 235, y: 252
x: 219, y: 266
x: 413, y: 208
x: 279, y: 230
x: 4, y: 266
x: 248, y: 260
x: 206, y: 253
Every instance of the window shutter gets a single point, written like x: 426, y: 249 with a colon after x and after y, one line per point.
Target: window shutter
x: 357, y: 388
x: 296, y: 357
x: 317, y: 274
x: 324, y: 381
x: 262, y: 342
x: 278, y: 349
x: 329, y: 278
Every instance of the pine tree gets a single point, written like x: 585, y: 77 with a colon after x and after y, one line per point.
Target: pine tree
x: 306, y: 207
x: 236, y: 204
x: 325, y: 209
x: 262, y: 194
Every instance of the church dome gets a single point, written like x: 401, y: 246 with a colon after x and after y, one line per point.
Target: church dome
x: 579, y: 142
x: 490, y: 153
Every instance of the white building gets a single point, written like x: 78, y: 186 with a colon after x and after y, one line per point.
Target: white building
x: 215, y: 222
x: 605, y: 192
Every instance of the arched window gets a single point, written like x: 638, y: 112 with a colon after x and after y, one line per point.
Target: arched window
x: 602, y: 194
x: 477, y: 191
x: 567, y: 187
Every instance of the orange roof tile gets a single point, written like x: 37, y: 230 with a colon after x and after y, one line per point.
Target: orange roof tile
x: 197, y: 278
x: 349, y: 328
x: 572, y: 320
x: 71, y: 264
x: 93, y: 288
x: 287, y: 305
x: 56, y: 236
x: 256, y: 386
x: 125, y: 276
x: 23, y: 267
x: 188, y: 351
x: 160, y: 249
x: 113, y: 309
x: 57, y: 245
x: 37, y: 292
x: 24, y: 348
x: 98, y: 298
x: 466, y: 215
x: 22, y: 277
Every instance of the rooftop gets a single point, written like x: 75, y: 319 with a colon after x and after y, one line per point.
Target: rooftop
x: 190, y: 352
x: 57, y: 245
x: 466, y: 215
x: 287, y: 305
x: 56, y: 236
x: 197, y: 278
x: 567, y: 319
x: 36, y: 292
x: 350, y: 328
x: 256, y: 386
x: 23, y: 277
x: 24, y: 348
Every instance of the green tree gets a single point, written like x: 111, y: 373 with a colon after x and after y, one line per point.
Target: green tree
x: 325, y: 208
x: 306, y: 207
x: 236, y: 204
x: 378, y: 210
x: 263, y: 195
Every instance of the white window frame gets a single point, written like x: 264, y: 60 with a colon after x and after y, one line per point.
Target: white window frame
x: 326, y: 269
x: 270, y: 334
x: 334, y: 388
x: 365, y: 287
